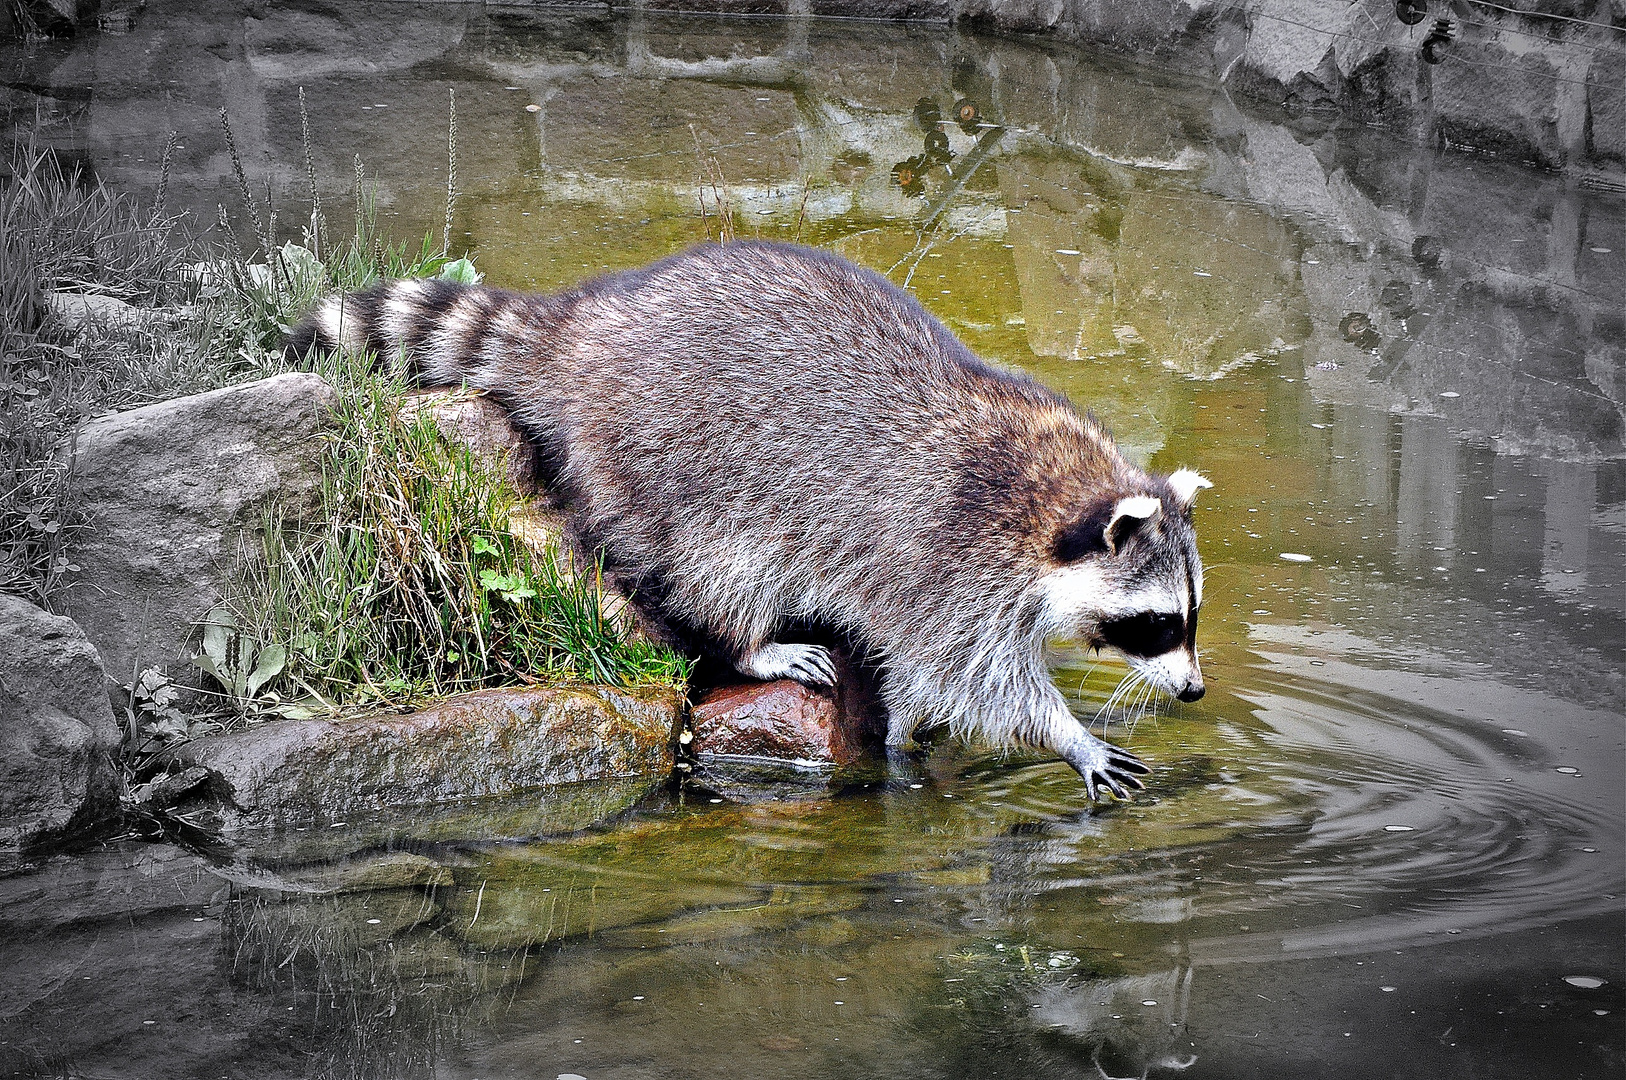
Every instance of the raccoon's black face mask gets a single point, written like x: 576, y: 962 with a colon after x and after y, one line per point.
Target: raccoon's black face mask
x: 1137, y: 558
x: 1150, y: 633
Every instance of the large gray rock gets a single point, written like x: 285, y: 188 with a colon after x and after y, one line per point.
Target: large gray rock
x: 56, y: 730
x: 491, y: 742
x: 171, y: 491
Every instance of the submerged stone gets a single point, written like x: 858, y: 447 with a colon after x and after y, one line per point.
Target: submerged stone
x: 123, y: 882
x: 491, y: 742
x: 383, y: 870
x: 536, y: 813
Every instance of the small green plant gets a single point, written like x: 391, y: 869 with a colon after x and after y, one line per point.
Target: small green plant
x: 152, y: 714
x: 238, y: 664
x: 155, y: 720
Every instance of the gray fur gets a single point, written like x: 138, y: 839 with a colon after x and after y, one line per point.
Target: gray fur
x: 754, y: 433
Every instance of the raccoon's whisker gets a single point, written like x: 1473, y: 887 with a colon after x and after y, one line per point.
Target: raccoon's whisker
x: 1125, y: 686
x: 1106, y: 706
x: 1147, y: 703
x: 1131, y: 714
x: 1143, y: 704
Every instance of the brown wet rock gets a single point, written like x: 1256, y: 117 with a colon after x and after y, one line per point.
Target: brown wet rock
x: 492, y: 742
x: 780, y: 719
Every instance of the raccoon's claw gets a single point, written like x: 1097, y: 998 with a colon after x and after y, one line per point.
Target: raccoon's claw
x: 814, y: 667
x: 810, y: 665
x: 1103, y: 765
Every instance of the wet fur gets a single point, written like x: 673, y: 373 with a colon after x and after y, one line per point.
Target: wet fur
x: 754, y: 433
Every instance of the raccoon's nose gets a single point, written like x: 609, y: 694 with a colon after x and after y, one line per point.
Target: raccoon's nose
x: 1192, y: 691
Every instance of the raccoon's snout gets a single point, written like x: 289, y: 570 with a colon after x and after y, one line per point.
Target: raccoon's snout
x: 1192, y: 690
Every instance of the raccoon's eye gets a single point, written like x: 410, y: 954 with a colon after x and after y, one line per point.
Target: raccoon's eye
x: 1146, y: 634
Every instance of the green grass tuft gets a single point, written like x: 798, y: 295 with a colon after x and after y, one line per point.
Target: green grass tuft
x: 408, y: 583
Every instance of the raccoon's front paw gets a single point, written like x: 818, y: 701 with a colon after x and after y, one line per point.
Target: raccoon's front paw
x: 810, y: 665
x: 1101, y: 763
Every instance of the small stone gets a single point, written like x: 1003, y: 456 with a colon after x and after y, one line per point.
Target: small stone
x: 783, y: 720
x: 57, y: 731
x: 80, y: 310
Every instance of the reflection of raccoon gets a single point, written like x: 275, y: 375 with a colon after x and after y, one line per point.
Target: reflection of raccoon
x: 756, y: 433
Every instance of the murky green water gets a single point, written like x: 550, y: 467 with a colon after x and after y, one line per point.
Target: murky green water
x: 1377, y: 847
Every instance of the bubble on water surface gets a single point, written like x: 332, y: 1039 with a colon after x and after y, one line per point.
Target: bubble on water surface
x: 1294, y: 556
x: 1568, y: 770
x: 1585, y: 982
x: 1398, y: 828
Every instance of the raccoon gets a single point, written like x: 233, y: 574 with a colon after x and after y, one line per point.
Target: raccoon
x: 755, y: 433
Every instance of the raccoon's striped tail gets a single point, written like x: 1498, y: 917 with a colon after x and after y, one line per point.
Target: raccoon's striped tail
x: 434, y: 330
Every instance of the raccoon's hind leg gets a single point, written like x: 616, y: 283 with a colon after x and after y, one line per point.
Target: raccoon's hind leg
x: 810, y: 665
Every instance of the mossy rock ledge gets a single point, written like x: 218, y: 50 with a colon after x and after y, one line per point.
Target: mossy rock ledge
x: 475, y: 745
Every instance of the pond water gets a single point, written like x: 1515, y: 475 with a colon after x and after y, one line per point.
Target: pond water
x: 1388, y: 842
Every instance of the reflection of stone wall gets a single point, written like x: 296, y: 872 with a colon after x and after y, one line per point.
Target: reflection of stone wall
x: 1152, y: 187
x: 1525, y: 87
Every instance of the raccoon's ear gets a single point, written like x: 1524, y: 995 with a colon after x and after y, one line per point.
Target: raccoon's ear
x: 1185, y: 483
x: 1127, y: 517
x: 1104, y: 528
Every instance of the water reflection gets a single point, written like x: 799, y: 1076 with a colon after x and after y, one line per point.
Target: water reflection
x: 1373, y: 784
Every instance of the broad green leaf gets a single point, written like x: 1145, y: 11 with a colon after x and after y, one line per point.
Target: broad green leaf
x: 461, y: 271
x: 272, y: 659
x: 217, y: 632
